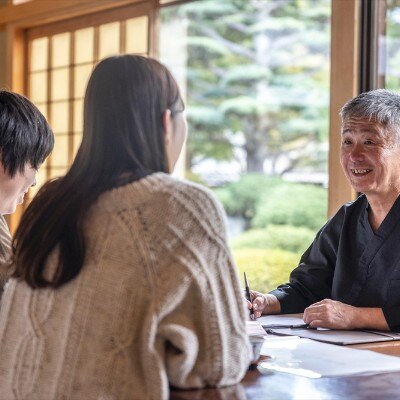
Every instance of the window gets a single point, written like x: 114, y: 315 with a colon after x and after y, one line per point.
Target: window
x: 59, y: 65
x: 389, y: 46
x: 256, y: 80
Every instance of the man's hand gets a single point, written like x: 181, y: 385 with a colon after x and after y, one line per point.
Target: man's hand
x: 330, y: 314
x: 263, y: 304
x: 336, y: 315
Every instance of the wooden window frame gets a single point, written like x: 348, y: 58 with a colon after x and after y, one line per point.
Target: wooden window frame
x: 93, y: 20
x: 344, y: 79
x: 344, y: 85
x: 56, y: 17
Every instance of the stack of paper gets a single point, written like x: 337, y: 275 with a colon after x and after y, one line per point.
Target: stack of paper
x: 282, y: 321
x: 254, y: 328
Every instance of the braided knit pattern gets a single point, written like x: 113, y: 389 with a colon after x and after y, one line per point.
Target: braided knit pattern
x: 157, y: 303
x: 5, y: 249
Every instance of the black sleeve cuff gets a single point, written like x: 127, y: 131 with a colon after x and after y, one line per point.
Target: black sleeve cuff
x: 290, y: 300
x: 392, y: 315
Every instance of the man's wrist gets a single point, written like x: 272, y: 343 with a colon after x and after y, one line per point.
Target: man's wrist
x: 272, y: 304
x: 369, y: 318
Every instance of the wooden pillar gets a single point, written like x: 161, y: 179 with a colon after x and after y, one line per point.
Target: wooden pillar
x: 343, y: 86
x: 15, y: 81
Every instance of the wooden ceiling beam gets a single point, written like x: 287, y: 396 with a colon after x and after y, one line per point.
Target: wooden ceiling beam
x: 38, y: 12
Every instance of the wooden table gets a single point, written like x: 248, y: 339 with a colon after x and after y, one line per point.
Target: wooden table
x: 277, y: 386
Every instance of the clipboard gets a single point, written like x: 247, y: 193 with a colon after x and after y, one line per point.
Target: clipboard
x: 340, y: 337
x: 293, y: 325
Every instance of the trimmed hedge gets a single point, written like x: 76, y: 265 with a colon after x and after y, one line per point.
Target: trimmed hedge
x: 285, y: 237
x: 242, y: 197
x: 264, y: 200
x: 265, y: 269
x: 292, y: 204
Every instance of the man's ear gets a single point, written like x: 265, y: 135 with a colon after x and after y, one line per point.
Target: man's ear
x: 167, y: 125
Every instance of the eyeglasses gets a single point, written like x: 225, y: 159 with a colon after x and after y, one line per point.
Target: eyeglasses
x: 177, y: 108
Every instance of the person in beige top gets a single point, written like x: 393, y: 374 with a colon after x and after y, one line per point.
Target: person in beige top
x: 25, y: 141
x: 123, y: 282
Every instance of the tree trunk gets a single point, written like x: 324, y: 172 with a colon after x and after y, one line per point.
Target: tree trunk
x: 255, y: 158
x: 254, y: 164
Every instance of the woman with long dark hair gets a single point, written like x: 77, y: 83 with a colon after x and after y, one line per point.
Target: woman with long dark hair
x: 123, y: 282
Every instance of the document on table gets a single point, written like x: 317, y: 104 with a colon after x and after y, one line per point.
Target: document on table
x: 254, y: 328
x: 282, y: 321
x: 293, y: 324
x: 341, y: 337
x: 313, y: 359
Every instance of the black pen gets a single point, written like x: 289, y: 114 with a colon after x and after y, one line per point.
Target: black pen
x: 248, y: 295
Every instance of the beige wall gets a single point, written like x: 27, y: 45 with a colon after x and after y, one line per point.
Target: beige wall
x: 2, y: 59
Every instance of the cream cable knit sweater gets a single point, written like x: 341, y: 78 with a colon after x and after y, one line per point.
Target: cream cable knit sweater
x: 157, y: 302
x: 5, y: 248
x: 5, y: 240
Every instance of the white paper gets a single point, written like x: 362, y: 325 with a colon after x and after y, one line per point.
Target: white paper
x: 313, y: 359
x: 254, y: 328
x: 281, y: 321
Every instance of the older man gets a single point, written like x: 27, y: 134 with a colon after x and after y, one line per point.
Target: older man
x: 25, y: 141
x: 350, y: 275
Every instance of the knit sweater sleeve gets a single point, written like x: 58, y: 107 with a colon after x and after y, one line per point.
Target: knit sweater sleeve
x: 201, y: 335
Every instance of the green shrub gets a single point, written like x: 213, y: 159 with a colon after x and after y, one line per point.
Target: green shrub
x: 265, y: 269
x: 284, y: 237
x: 241, y: 198
x: 292, y: 204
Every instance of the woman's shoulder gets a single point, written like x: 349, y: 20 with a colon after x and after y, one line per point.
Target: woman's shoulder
x: 180, y: 193
x: 156, y: 187
x: 163, y: 204
x: 170, y: 184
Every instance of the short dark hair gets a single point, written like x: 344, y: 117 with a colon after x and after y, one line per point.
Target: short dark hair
x: 25, y: 135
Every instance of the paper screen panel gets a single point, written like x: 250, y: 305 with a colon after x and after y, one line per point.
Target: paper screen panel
x: 137, y: 35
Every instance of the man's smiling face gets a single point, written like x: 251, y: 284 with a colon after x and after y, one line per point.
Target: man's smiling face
x: 370, y: 157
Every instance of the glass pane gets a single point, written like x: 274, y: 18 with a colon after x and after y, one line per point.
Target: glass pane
x: 60, y: 84
x: 78, y: 116
x: 108, y: 39
x: 389, y: 51
x: 60, y: 117
x: 39, y: 52
x: 136, y: 35
x: 81, y: 75
x: 77, y: 142
x: 38, y: 87
x: 60, y: 50
x: 84, y: 40
x: 255, y: 75
x: 59, y: 156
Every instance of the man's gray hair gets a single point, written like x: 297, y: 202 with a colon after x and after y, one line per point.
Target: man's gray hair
x: 381, y: 106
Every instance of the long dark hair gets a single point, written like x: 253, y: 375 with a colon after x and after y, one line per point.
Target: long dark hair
x: 123, y: 135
